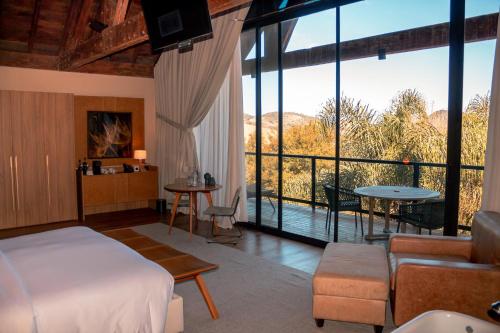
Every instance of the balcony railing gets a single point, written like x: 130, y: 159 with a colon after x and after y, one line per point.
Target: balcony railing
x: 313, y: 202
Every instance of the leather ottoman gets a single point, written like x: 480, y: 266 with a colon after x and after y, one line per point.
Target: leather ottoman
x: 351, y: 284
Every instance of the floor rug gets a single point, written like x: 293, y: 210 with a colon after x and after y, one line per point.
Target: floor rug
x: 252, y: 294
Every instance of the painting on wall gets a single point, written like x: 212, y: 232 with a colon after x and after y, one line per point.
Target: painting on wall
x: 109, y: 134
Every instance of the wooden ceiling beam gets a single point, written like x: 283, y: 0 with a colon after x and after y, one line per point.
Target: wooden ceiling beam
x: 121, y: 11
x: 113, y: 39
x: 477, y: 28
x: 28, y: 60
x: 124, y: 35
x: 117, y: 68
x: 34, y: 24
x: 40, y: 61
x: 219, y: 7
x: 81, y: 25
x: 107, y: 14
x: 69, y: 25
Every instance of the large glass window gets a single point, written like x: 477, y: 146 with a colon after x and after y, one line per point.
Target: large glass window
x: 393, y: 107
x: 478, y: 72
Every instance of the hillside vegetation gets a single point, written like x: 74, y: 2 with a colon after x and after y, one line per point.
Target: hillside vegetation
x: 404, y: 132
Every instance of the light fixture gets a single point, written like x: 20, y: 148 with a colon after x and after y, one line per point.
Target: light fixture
x: 140, y: 155
x: 97, y: 26
x: 381, y: 54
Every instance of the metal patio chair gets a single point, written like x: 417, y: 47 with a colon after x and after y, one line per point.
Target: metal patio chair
x: 252, y: 193
x: 348, y: 201
x: 427, y: 215
x: 221, y: 211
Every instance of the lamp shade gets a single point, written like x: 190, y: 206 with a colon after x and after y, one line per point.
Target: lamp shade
x: 140, y: 154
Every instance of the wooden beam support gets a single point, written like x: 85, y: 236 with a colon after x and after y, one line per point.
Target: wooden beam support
x: 28, y: 60
x: 121, y: 11
x: 69, y: 25
x: 126, y: 34
x: 34, y: 24
x: 82, y: 22
x: 117, y: 68
x: 476, y: 29
x: 39, y: 61
x: 220, y: 7
x: 113, y: 39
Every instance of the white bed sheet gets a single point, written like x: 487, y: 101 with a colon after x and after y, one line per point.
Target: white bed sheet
x: 77, y: 280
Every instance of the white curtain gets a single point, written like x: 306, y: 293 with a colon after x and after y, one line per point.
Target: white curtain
x: 220, y: 142
x: 491, y: 188
x: 186, y: 86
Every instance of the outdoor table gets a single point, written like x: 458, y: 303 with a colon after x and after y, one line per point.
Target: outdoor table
x: 390, y: 194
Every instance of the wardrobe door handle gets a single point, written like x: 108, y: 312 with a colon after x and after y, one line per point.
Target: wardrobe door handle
x: 12, y: 184
x: 17, y: 181
x: 48, y: 177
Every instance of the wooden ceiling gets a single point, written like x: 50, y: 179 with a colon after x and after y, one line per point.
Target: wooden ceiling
x: 55, y: 34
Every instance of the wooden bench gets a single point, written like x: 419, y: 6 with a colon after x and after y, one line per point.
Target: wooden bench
x: 182, y: 266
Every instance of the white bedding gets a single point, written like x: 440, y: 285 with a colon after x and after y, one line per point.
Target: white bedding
x: 77, y: 280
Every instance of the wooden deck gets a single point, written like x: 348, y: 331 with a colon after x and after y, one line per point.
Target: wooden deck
x: 305, y: 221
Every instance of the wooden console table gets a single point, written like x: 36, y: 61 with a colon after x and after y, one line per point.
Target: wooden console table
x: 114, y: 192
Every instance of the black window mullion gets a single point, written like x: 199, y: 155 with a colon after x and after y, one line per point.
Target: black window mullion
x: 337, y: 124
x: 258, y: 129
x: 280, y: 128
x: 455, y: 96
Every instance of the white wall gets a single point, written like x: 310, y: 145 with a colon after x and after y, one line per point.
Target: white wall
x: 26, y: 79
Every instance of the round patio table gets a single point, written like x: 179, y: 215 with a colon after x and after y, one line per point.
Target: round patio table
x: 390, y: 194
x: 183, y: 188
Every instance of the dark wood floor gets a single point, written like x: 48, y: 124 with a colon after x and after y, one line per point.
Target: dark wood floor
x: 276, y: 249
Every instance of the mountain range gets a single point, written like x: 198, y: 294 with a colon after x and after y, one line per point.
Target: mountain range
x: 439, y: 119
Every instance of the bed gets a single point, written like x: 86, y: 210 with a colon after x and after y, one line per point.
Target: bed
x: 77, y: 280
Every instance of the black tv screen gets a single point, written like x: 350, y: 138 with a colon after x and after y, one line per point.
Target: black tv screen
x: 171, y: 22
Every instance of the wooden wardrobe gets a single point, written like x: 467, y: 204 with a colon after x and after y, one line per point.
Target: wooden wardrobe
x: 37, y: 175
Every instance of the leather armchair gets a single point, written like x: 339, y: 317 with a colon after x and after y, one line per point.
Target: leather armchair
x: 446, y: 273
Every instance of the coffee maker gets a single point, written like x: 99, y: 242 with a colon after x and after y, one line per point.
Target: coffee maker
x: 96, y: 167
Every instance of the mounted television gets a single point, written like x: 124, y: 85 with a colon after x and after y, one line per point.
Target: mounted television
x: 176, y: 23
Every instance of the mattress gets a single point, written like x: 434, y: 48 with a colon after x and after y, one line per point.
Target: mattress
x: 77, y: 280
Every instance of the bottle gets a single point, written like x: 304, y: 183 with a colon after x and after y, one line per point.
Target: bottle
x: 194, y: 178
x: 85, y: 166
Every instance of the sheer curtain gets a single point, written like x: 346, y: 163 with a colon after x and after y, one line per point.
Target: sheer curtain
x: 220, y: 142
x: 491, y: 188
x: 186, y: 86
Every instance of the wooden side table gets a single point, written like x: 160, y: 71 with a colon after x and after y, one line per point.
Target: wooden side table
x: 182, y: 188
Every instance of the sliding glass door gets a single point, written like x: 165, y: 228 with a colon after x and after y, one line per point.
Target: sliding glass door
x: 308, y: 87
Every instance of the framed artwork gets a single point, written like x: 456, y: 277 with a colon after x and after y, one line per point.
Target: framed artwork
x: 109, y: 134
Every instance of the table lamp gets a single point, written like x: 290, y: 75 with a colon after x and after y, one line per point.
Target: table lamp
x: 141, y: 156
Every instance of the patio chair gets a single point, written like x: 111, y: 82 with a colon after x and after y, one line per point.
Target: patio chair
x: 348, y: 201
x: 428, y: 215
x: 218, y: 211
x: 252, y: 193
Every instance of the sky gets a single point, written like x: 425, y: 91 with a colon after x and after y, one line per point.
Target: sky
x: 374, y: 81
